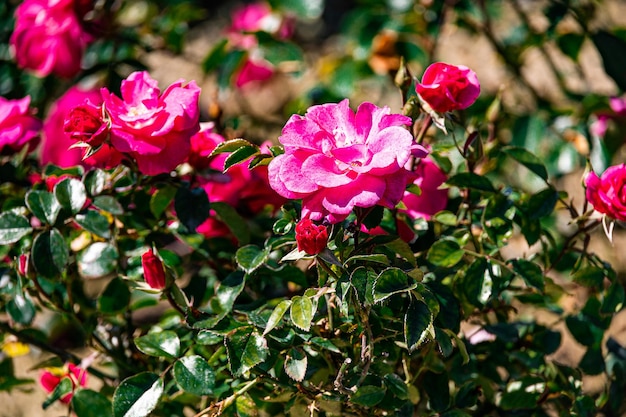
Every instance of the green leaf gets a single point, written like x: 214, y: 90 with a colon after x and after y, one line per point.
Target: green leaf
x: 613, y: 52
x: 215, y: 56
x: 71, y: 194
x: 530, y: 272
x: 590, y: 276
x: 95, y: 181
x: 585, y: 332
x: 165, y: 343
x: 362, y: 279
x: 21, y: 308
x: 374, y: 258
x: 88, y: 403
x: 403, y: 249
x: 368, y: 395
x: 13, y: 227
x: 43, y: 205
x: 397, y: 386
x: 95, y: 223
x: 446, y: 218
x: 445, y: 253
x: 542, y: 204
x: 245, y: 406
x: 592, y: 362
x: 192, y: 207
x: 240, y: 155
x: 61, y: 390
x: 302, y: 311
x: 391, y: 281
x: 296, y: 364
x: 477, y: 283
x: 137, y: 395
x: 437, y: 389
x: 324, y: 344
x: 231, y: 146
x: 193, y: 374
x: 97, y: 260
x: 528, y: 159
x: 417, y: 323
x: 613, y: 300
x: 472, y: 181
x: 251, y: 257
x: 235, y: 223
x: 161, y: 200
x: 522, y: 395
x: 115, y: 297
x: 109, y: 204
x: 49, y: 254
x: 277, y: 315
x: 227, y: 293
x: 570, y: 44
x: 245, y: 349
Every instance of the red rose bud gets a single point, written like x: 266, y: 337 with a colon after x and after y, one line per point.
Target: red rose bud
x: 311, y: 238
x: 448, y: 87
x: 85, y: 124
x: 153, y: 272
x: 22, y: 265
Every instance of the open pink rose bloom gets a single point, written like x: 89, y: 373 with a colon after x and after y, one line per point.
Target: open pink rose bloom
x: 154, y: 128
x: 607, y: 193
x: 336, y: 159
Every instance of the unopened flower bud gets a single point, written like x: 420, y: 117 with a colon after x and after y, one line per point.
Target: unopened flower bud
x: 153, y: 271
x: 311, y: 238
x: 85, y: 124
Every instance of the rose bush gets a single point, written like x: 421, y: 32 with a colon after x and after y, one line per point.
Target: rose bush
x: 415, y: 261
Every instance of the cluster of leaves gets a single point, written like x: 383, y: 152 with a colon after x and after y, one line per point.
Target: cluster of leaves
x: 445, y: 325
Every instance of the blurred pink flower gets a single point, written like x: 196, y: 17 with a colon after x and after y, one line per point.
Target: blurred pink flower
x: 251, y: 71
x: 429, y: 177
x: 257, y: 17
x: 336, y: 159
x: 607, y: 193
x: 448, y: 87
x: 48, y: 37
x: 18, y: 126
x: 154, y: 128
x: 56, y: 144
x: 51, y: 377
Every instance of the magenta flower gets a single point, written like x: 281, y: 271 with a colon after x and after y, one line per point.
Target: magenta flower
x: 429, y: 177
x: 448, y: 87
x: 310, y: 237
x: 607, y: 193
x: 56, y: 143
x: 51, y: 377
x: 48, y: 37
x: 258, y: 17
x: 336, y: 159
x: 154, y: 128
x: 18, y: 126
x: 253, y: 71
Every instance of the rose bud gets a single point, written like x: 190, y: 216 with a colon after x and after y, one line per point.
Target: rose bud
x: 311, y: 238
x: 153, y: 271
x: 85, y: 124
x: 22, y: 265
x: 448, y: 87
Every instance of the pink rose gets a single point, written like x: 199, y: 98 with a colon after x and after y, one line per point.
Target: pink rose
x: 18, y: 126
x: 253, y: 71
x: 154, y: 128
x: 607, y: 193
x: 336, y: 159
x: 51, y: 377
x: 448, y: 87
x: 311, y: 238
x: 429, y: 177
x: 48, y: 37
x: 56, y: 144
x: 153, y: 271
x: 86, y: 124
x: 202, y: 144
